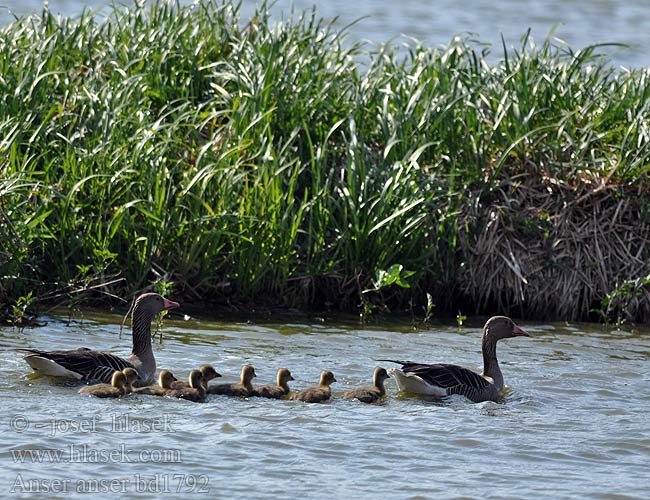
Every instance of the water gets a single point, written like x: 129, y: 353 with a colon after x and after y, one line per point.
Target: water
x: 574, y: 425
x: 578, y: 22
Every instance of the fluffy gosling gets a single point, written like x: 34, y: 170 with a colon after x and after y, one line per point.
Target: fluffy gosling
x: 115, y: 389
x: 318, y: 393
x: 243, y: 389
x: 165, y: 381
x: 195, y: 392
x: 208, y: 373
x: 373, y: 393
x: 278, y: 390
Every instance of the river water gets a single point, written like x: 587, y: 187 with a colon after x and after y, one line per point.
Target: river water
x: 574, y: 424
x: 578, y: 22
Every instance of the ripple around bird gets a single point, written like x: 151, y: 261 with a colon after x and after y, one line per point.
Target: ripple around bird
x: 574, y: 423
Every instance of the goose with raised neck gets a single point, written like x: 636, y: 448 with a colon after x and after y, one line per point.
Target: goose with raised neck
x: 88, y: 365
x: 443, y: 379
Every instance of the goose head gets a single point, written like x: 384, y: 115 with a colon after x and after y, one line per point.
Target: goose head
x: 284, y: 376
x: 119, y: 380
x: 502, y: 327
x: 247, y: 374
x: 327, y: 378
x: 379, y: 375
x: 152, y: 303
x: 196, y: 380
x: 209, y: 373
x: 131, y: 375
x: 165, y: 379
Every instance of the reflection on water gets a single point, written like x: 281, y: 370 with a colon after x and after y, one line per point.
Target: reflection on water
x: 435, y: 23
x: 574, y: 423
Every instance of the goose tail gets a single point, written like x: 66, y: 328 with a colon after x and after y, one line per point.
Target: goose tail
x: 46, y: 366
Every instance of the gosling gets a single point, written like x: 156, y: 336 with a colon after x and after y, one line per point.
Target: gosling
x: 115, y: 389
x: 165, y: 381
x: 373, y: 393
x: 195, y: 392
x: 275, y: 391
x: 318, y: 393
x: 131, y: 375
x: 208, y: 373
x: 243, y: 389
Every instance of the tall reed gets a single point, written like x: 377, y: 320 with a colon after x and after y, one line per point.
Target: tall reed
x: 280, y: 162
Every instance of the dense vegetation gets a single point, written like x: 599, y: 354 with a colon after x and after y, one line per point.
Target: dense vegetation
x: 263, y: 163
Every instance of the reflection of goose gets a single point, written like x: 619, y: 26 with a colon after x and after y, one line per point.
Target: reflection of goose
x: 318, y: 393
x: 115, y: 389
x: 242, y: 389
x: 86, y: 364
x: 208, y: 373
x: 373, y: 393
x: 165, y: 381
x: 195, y: 392
x: 442, y: 380
x: 275, y: 391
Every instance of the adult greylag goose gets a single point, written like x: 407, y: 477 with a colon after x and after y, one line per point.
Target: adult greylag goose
x: 86, y: 364
x: 208, y: 373
x: 278, y: 390
x: 373, y: 393
x: 117, y: 387
x: 318, y: 393
x: 195, y: 392
x: 165, y: 381
x: 243, y: 389
x: 443, y: 379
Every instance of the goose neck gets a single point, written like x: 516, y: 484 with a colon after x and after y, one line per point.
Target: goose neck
x: 490, y: 363
x: 142, y: 332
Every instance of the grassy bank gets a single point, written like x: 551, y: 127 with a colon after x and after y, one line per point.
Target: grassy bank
x: 256, y: 163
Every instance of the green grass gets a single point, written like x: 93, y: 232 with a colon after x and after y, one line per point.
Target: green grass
x: 279, y: 163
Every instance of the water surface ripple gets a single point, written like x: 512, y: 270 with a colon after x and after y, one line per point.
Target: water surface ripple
x: 574, y: 425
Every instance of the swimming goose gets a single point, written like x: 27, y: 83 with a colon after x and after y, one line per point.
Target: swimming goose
x: 165, y: 381
x: 443, y: 380
x: 318, y: 393
x: 86, y: 364
x: 275, y: 391
x: 115, y: 389
x: 373, y: 393
x: 242, y: 389
x: 195, y: 392
x: 208, y: 373
x: 131, y: 375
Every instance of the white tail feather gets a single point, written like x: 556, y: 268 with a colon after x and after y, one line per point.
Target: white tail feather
x: 46, y: 366
x: 414, y: 384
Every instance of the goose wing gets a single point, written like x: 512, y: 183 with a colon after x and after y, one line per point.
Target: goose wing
x: 447, y: 376
x: 91, y: 365
x: 455, y: 379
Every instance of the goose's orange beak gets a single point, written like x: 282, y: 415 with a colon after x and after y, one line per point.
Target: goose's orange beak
x: 520, y: 331
x: 170, y: 304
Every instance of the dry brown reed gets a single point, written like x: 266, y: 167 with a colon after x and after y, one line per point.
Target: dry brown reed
x: 547, y: 249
